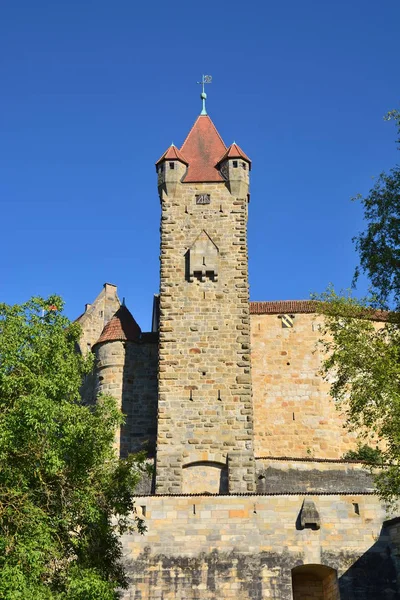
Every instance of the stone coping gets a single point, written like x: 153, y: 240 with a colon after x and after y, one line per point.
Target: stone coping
x: 254, y: 494
x: 309, y: 459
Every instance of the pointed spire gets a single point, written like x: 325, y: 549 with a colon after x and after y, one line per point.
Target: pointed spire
x: 202, y: 149
x: 203, y: 95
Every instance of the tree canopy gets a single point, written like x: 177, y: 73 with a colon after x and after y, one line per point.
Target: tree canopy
x: 363, y: 337
x: 64, y: 494
x: 379, y: 244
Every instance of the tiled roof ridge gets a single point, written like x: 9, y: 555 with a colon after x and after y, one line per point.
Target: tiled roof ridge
x: 121, y: 327
x: 194, y: 125
x: 255, y: 494
x: 273, y: 307
x: 279, y: 306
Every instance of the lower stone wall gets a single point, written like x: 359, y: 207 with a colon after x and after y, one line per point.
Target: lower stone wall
x: 245, y: 547
x: 308, y: 475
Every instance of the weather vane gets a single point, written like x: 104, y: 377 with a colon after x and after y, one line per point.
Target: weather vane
x: 203, y: 95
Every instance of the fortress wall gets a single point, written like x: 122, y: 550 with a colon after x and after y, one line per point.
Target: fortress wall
x: 128, y: 372
x: 139, y: 398
x: 294, y: 414
x: 280, y: 476
x: 245, y: 547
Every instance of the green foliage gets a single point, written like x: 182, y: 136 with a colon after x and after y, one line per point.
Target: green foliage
x: 363, y: 364
x: 363, y: 343
x: 64, y: 495
x: 365, y: 453
x: 379, y: 244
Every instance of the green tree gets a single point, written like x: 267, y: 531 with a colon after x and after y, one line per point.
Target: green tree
x: 64, y: 495
x: 363, y: 341
x: 379, y: 245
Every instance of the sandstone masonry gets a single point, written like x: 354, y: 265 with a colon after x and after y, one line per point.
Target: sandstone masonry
x: 251, y: 497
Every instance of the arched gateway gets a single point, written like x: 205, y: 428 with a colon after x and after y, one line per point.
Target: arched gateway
x: 315, y: 582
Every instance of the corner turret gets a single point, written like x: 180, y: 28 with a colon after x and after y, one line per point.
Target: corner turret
x: 235, y: 166
x: 171, y: 168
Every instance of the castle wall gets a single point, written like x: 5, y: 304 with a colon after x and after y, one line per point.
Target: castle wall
x: 205, y: 409
x: 128, y: 372
x: 294, y: 414
x: 139, y: 398
x: 245, y: 547
x: 308, y: 475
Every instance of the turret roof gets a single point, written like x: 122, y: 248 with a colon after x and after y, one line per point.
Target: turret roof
x: 234, y: 151
x: 172, y: 153
x: 122, y: 327
x: 203, y: 148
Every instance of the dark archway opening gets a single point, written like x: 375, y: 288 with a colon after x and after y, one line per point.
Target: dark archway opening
x: 315, y: 582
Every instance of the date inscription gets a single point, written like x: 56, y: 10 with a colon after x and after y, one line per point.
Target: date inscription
x: 203, y: 198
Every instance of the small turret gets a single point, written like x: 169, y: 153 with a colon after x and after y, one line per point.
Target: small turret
x: 235, y: 166
x: 171, y: 168
x: 110, y: 352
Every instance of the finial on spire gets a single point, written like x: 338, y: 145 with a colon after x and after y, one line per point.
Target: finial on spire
x: 203, y: 95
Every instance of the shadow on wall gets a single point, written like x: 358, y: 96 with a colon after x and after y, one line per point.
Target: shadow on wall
x: 139, y: 397
x: 373, y: 576
x: 275, y: 575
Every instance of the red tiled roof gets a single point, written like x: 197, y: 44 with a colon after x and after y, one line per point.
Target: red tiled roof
x: 282, y: 306
x: 203, y: 148
x: 121, y: 327
x: 277, y: 307
x: 235, y: 152
x: 172, y: 153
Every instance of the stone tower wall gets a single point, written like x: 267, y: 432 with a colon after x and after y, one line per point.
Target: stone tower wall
x: 139, y: 398
x: 128, y: 372
x: 205, y: 409
x: 110, y: 361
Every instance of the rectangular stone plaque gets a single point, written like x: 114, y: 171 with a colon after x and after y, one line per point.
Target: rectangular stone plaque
x: 203, y: 198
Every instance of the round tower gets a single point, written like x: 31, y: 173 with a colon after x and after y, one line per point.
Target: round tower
x: 110, y: 352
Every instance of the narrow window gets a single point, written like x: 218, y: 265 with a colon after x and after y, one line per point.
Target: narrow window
x: 172, y: 165
x: 244, y: 165
x: 235, y: 164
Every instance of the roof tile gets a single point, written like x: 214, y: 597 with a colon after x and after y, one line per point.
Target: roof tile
x: 122, y: 327
x: 172, y: 153
x: 203, y: 147
x: 234, y: 151
x: 282, y: 306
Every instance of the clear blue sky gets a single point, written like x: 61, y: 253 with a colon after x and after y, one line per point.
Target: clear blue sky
x: 93, y: 91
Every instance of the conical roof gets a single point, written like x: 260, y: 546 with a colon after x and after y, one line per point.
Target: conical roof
x: 122, y: 327
x: 172, y: 153
x: 202, y: 149
x: 235, y: 152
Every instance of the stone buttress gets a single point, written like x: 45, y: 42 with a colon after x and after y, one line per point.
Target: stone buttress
x: 205, y: 418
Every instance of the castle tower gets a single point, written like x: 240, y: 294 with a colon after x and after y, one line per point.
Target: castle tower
x: 111, y: 364
x: 205, y: 422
